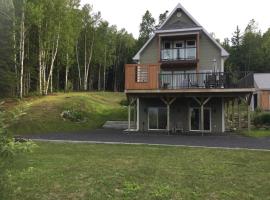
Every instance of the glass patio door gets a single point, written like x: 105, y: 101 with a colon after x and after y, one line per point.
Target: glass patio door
x: 157, y: 118
x: 195, y: 119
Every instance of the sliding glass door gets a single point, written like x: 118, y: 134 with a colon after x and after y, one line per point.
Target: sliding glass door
x: 157, y: 118
x: 195, y: 119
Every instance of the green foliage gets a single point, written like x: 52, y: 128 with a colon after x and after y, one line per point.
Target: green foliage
x: 8, y: 146
x: 124, y: 102
x: 249, y: 51
x: 147, y: 28
x: 262, y: 119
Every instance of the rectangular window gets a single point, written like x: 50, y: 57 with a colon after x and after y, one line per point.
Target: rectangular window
x: 142, y: 74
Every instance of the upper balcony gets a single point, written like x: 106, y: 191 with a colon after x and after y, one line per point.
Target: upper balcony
x: 179, y: 49
x: 151, y: 78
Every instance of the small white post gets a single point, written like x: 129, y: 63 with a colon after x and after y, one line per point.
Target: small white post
x: 202, y: 118
x: 138, y: 114
x: 129, y: 116
x: 168, y: 117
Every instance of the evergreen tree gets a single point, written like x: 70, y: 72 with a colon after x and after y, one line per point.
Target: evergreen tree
x: 147, y: 28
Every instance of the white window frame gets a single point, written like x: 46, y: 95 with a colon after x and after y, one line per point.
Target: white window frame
x: 156, y: 107
x: 189, y: 118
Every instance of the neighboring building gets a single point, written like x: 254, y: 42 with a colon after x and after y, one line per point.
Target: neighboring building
x: 179, y: 82
x: 261, y: 97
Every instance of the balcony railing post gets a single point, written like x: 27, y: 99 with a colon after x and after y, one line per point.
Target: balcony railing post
x: 172, y: 80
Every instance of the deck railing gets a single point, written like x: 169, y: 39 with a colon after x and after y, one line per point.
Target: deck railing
x: 170, y: 80
x: 174, y: 54
x: 149, y: 77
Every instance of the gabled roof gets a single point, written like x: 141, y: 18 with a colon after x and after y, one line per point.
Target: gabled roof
x: 262, y: 81
x: 224, y: 53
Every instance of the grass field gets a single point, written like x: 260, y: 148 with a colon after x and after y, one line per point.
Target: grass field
x: 88, y: 171
x: 257, y: 133
x: 42, y: 114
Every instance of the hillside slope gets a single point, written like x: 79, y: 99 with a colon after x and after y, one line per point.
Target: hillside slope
x: 66, y: 112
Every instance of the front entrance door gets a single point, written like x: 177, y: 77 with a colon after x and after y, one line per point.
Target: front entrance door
x: 195, y: 119
x: 157, y: 118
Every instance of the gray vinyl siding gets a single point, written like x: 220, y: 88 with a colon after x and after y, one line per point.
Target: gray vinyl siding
x: 208, y: 51
x: 150, y: 54
x: 179, y: 22
x: 180, y: 109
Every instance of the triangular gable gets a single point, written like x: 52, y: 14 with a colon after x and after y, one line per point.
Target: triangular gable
x: 224, y: 53
x: 186, y: 15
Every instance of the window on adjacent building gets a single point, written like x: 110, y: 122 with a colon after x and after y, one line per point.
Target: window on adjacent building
x: 142, y: 74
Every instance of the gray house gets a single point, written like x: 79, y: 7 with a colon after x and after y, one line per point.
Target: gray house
x: 178, y: 81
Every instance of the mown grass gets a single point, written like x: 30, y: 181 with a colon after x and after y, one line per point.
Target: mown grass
x: 88, y: 171
x: 42, y: 114
x: 257, y: 133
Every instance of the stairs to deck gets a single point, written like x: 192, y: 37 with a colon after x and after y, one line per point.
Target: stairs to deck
x: 121, y: 125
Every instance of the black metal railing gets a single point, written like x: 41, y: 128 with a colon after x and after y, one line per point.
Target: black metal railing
x: 173, y: 54
x: 171, y: 80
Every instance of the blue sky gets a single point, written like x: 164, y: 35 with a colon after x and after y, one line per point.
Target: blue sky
x: 220, y: 17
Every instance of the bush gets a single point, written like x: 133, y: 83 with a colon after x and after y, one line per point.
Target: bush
x: 262, y: 119
x: 124, y: 102
x: 74, y: 116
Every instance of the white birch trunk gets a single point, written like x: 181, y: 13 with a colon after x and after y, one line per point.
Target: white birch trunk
x: 52, y: 63
x: 104, y: 70
x: 87, y: 67
x: 79, y: 68
x: 22, y: 37
x: 66, y: 75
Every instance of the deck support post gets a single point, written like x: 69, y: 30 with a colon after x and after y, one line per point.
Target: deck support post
x: 130, y: 102
x: 239, y: 114
x: 232, y: 115
x: 202, y: 118
x: 247, y: 100
x: 168, y: 103
x: 248, y: 115
x: 138, y: 114
x: 128, y: 116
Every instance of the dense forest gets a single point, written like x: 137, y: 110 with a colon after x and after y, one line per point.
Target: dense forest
x: 48, y: 46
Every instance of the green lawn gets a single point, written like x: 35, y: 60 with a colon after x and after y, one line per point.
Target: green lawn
x: 88, y: 171
x: 42, y: 114
x: 257, y: 133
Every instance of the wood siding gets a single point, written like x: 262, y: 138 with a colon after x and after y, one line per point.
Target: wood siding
x: 265, y: 100
x: 130, y: 77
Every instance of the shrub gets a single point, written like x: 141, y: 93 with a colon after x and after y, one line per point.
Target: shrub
x: 124, y: 102
x: 73, y: 115
x: 262, y: 119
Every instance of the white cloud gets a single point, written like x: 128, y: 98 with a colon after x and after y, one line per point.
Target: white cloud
x: 220, y: 17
